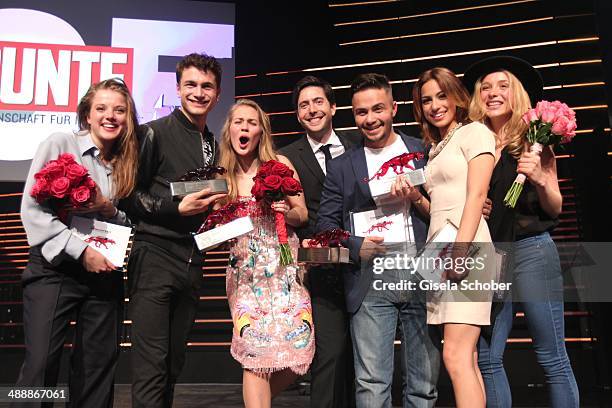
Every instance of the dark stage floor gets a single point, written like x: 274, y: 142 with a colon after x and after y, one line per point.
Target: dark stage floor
x: 227, y: 396
x: 212, y: 395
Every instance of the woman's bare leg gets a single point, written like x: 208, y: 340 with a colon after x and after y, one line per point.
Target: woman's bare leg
x: 459, y: 347
x: 256, y: 390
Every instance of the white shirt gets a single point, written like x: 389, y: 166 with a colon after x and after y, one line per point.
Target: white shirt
x: 375, y: 158
x: 336, y: 149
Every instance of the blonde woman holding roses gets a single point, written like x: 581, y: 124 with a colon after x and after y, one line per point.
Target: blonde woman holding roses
x: 273, y: 336
x: 65, y: 278
x: 504, y: 88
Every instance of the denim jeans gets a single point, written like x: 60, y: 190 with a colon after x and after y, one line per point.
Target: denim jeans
x: 537, y: 284
x: 373, y: 329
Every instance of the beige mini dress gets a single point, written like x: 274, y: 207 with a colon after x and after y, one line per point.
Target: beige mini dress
x: 446, y: 183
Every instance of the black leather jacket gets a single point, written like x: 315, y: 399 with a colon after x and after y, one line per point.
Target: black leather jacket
x: 170, y: 146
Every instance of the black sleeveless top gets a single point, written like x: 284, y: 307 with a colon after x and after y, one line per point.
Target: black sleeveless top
x: 527, y: 218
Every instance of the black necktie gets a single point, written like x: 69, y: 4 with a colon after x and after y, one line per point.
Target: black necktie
x: 326, y: 153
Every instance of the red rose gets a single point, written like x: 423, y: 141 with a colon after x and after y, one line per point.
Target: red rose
x: 75, y: 173
x: 40, y: 190
x: 41, y: 175
x: 257, y: 190
x: 35, y: 192
x: 59, y: 187
x: 272, y: 182
x: 66, y: 159
x: 291, y: 186
x: 89, y: 183
x: 80, y: 195
x: 265, y: 168
x: 53, y: 170
x: 281, y: 170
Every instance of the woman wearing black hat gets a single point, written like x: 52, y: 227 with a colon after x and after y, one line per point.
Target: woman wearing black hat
x: 502, y: 89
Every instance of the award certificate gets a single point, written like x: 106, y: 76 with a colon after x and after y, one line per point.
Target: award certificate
x: 111, y: 240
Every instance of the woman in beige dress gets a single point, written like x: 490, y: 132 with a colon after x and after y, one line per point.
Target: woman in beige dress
x: 458, y: 172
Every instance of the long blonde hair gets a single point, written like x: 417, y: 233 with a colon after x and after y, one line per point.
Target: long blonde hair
x: 124, y: 156
x: 452, y: 87
x: 228, y: 158
x: 514, y: 129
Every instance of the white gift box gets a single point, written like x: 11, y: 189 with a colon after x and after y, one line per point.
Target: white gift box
x: 390, y: 221
x: 225, y: 232
x: 381, y: 187
x: 111, y: 240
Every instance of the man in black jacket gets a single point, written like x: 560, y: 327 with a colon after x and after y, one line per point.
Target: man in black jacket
x: 165, y: 268
x: 332, y: 367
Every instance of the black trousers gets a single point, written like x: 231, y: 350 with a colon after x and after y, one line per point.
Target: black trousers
x: 332, y: 370
x: 52, y: 295
x: 163, y: 301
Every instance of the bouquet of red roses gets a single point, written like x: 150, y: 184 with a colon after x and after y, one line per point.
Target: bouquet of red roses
x: 223, y: 215
x: 63, y: 182
x: 550, y: 123
x: 273, y: 182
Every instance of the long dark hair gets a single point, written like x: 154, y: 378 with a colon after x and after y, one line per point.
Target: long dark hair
x: 452, y: 87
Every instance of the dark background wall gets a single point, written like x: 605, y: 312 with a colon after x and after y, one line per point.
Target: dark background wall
x: 276, y: 35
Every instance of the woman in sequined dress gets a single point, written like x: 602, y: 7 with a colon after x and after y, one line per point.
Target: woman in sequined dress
x: 273, y: 336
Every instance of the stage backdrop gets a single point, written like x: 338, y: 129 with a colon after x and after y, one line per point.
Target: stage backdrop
x: 51, y: 51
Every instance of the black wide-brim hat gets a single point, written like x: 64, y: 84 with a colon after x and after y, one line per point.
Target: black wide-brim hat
x: 524, y: 71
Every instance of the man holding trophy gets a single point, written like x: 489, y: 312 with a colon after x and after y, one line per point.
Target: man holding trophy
x: 356, y: 196
x: 165, y: 267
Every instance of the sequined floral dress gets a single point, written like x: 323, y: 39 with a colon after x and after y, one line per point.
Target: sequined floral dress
x: 270, y: 307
